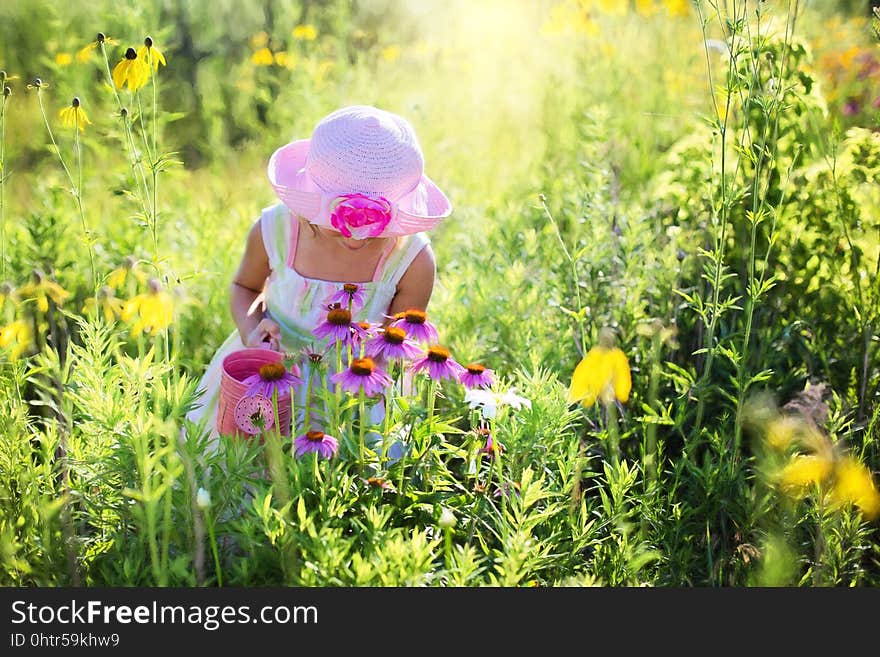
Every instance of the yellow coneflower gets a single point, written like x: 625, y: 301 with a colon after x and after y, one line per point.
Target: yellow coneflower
x: 676, y: 7
x: 150, y: 54
x: 259, y: 40
x: 41, y: 290
x: 63, y: 58
x: 74, y: 116
x: 262, y: 57
x: 853, y: 484
x: 305, y: 33
x: 8, y: 293
x: 804, y: 471
x: 4, y: 77
x: 131, y: 70
x: 84, y: 53
x: 16, y: 335
x: 128, y: 267
x: 647, y: 8
x: 106, y: 302
x: 152, y: 311
x: 602, y: 375
x: 286, y: 60
x: 390, y: 53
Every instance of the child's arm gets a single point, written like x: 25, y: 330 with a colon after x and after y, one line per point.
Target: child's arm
x: 416, y: 284
x: 247, y: 284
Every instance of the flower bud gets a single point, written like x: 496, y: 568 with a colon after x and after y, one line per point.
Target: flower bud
x: 447, y: 519
x: 203, y: 499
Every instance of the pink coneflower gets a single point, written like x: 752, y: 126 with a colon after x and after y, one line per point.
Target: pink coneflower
x: 272, y: 377
x: 391, y: 344
x: 416, y: 324
x: 315, y: 441
x: 363, y: 332
x: 362, y: 374
x: 439, y: 364
x: 351, y: 296
x: 477, y: 375
x: 337, y: 326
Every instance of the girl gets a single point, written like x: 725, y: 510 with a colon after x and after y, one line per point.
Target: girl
x: 354, y: 204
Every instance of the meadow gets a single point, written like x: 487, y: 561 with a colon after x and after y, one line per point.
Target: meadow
x: 665, y: 244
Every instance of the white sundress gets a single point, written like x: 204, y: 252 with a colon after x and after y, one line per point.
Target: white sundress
x: 297, y: 304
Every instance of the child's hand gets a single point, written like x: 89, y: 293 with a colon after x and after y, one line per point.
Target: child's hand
x: 265, y: 330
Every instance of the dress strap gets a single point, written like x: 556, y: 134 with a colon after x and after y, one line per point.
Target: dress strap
x: 275, y: 226
x: 380, y: 265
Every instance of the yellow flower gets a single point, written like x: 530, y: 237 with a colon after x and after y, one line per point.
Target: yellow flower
x: 391, y: 53
x: 63, y: 58
x: 781, y: 431
x: 16, y: 335
x: 151, y: 55
x: 602, y: 375
x: 8, y: 293
x: 106, y: 302
x: 128, y: 267
x: 84, y: 53
x: 676, y: 7
x: 152, y: 311
x: 74, y: 116
x: 802, y: 471
x: 853, y: 484
x: 41, y: 290
x: 285, y: 59
x: 305, y: 32
x: 646, y: 8
x: 613, y: 7
x: 259, y: 40
x: 131, y: 70
x: 262, y: 57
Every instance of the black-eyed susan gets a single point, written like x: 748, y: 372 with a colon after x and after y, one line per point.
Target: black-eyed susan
x: 5, y: 77
x: 105, y: 302
x: 305, y: 32
x: 131, y: 70
x: 804, y: 471
x: 74, y: 116
x: 602, y: 375
x: 150, y: 54
x: 262, y: 57
x: 151, y: 311
x: 16, y: 336
x: 41, y: 289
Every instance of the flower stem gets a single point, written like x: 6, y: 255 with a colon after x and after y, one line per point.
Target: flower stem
x: 3, y: 168
x: 210, y: 522
x: 362, y: 410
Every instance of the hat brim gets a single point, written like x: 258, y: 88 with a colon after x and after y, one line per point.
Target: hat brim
x: 420, y: 209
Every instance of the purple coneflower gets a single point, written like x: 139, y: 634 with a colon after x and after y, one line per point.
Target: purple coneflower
x: 477, y: 375
x: 439, y: 364
x: 416, y: 324
x: 315, y: 441
x: 391, y: 344
x: 362, y: 374
x: 362, y: 334
x: 272, y: 377
x: 492, y: 448
x: 337, y: 326
x: 351, y: 296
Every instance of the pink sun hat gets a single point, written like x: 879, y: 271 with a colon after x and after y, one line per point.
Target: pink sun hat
x: 361, y: 173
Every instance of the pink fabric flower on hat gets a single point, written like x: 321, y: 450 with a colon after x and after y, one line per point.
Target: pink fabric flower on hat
x: 361, y: 216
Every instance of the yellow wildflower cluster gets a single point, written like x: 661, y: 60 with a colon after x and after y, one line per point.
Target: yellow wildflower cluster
x: 580, y: 16
x: 816, y: 465
x: 150, y: 312
x: 134, y: 69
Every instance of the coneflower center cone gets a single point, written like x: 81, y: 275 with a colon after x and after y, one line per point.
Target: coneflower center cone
x: 339, y: 316
x: 438, y: 354
x: 272, y: 371
x: 415, y: 316
x: 351, y: 288
x: 362, y: 366
x: 394, y: 335
x: 315, y: 436
x: 475, y: 368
